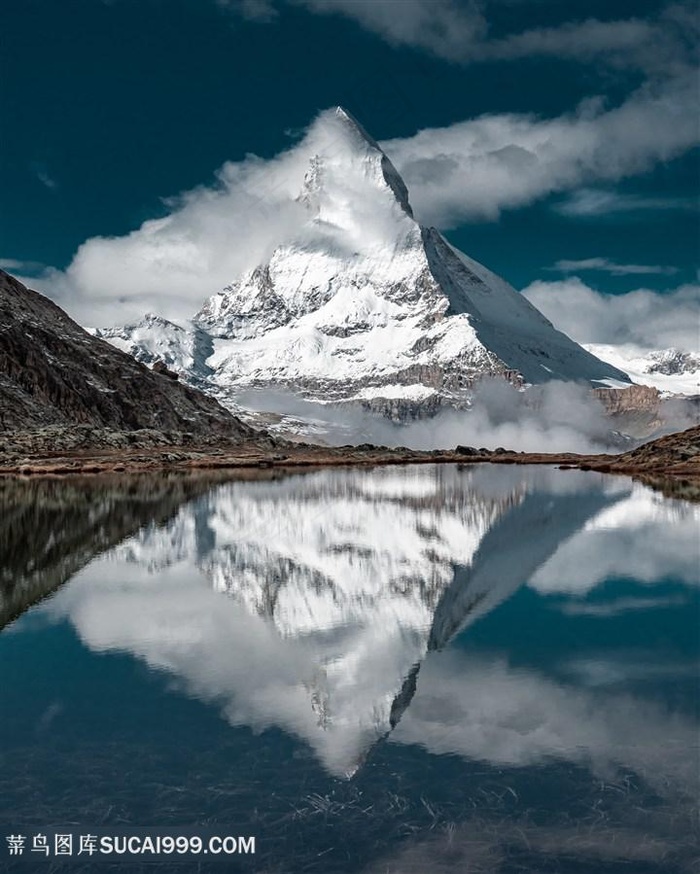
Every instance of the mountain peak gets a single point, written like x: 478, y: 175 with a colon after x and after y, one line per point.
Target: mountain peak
x: 359, y: 302
x: 352, y: 124
x: 345, y: 158
x: 153, y: 319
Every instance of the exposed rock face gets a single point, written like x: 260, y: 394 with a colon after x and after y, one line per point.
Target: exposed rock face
x: 633, y: 398
x: 162, y: 368
x: 671, y: 362
x: 642, y: 411
x: 401, y: 410
x: 680, y: 448
x: 53, y: 373
x: 670, y: 464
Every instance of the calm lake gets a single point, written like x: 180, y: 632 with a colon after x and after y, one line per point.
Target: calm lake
x: 388, y: 671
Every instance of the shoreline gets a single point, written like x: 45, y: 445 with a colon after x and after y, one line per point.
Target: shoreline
x: 289, y: 457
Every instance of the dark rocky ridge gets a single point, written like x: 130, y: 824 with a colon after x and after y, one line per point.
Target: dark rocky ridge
x: 53, y: 373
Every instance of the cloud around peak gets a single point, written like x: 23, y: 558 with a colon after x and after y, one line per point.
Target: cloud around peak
x: 643, y: 318
x: 475, y: 169
x: 470, y: 171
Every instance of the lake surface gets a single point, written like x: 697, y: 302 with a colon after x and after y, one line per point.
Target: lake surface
x: 388, y: 671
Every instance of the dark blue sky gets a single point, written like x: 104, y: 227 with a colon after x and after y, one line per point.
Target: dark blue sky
x: 108, y: 107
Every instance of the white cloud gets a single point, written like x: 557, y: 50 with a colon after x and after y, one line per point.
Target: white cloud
x: 592, y: 202
x: 583, y: 40
x: 659, y: 45
x: 471, y: 170
x: 210, y: 235
x: 642, y: 537
x: 459, y: 31
x: 554, y: 417
x: 444, y: 27
x: 20, y: 266
x: 605, y: 265
x: 475, y: 169
x: 41, y: 172
x: 642, y: 318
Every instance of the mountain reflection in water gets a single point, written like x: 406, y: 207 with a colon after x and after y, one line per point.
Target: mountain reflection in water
x: 324, y: 604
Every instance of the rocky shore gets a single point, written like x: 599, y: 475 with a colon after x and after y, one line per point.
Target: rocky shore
x: 673, y: 459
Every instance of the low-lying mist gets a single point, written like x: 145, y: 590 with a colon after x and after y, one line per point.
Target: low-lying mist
x: 555, y: 417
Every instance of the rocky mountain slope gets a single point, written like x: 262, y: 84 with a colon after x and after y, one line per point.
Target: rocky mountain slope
x: 54, y: 374
x: 680, y: 451
x: 361, y: 303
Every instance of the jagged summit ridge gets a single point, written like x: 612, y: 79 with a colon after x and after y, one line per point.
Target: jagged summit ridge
x: 360, y: 302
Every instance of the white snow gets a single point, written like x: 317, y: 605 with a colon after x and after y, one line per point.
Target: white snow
x: 154, y: 338
x: 641, y: 365
x: 415, y: 391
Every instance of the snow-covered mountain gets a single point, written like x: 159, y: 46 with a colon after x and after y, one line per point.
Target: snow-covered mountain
x: 361, y: 303
x: 671, y: 371
x: 154, y: 338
